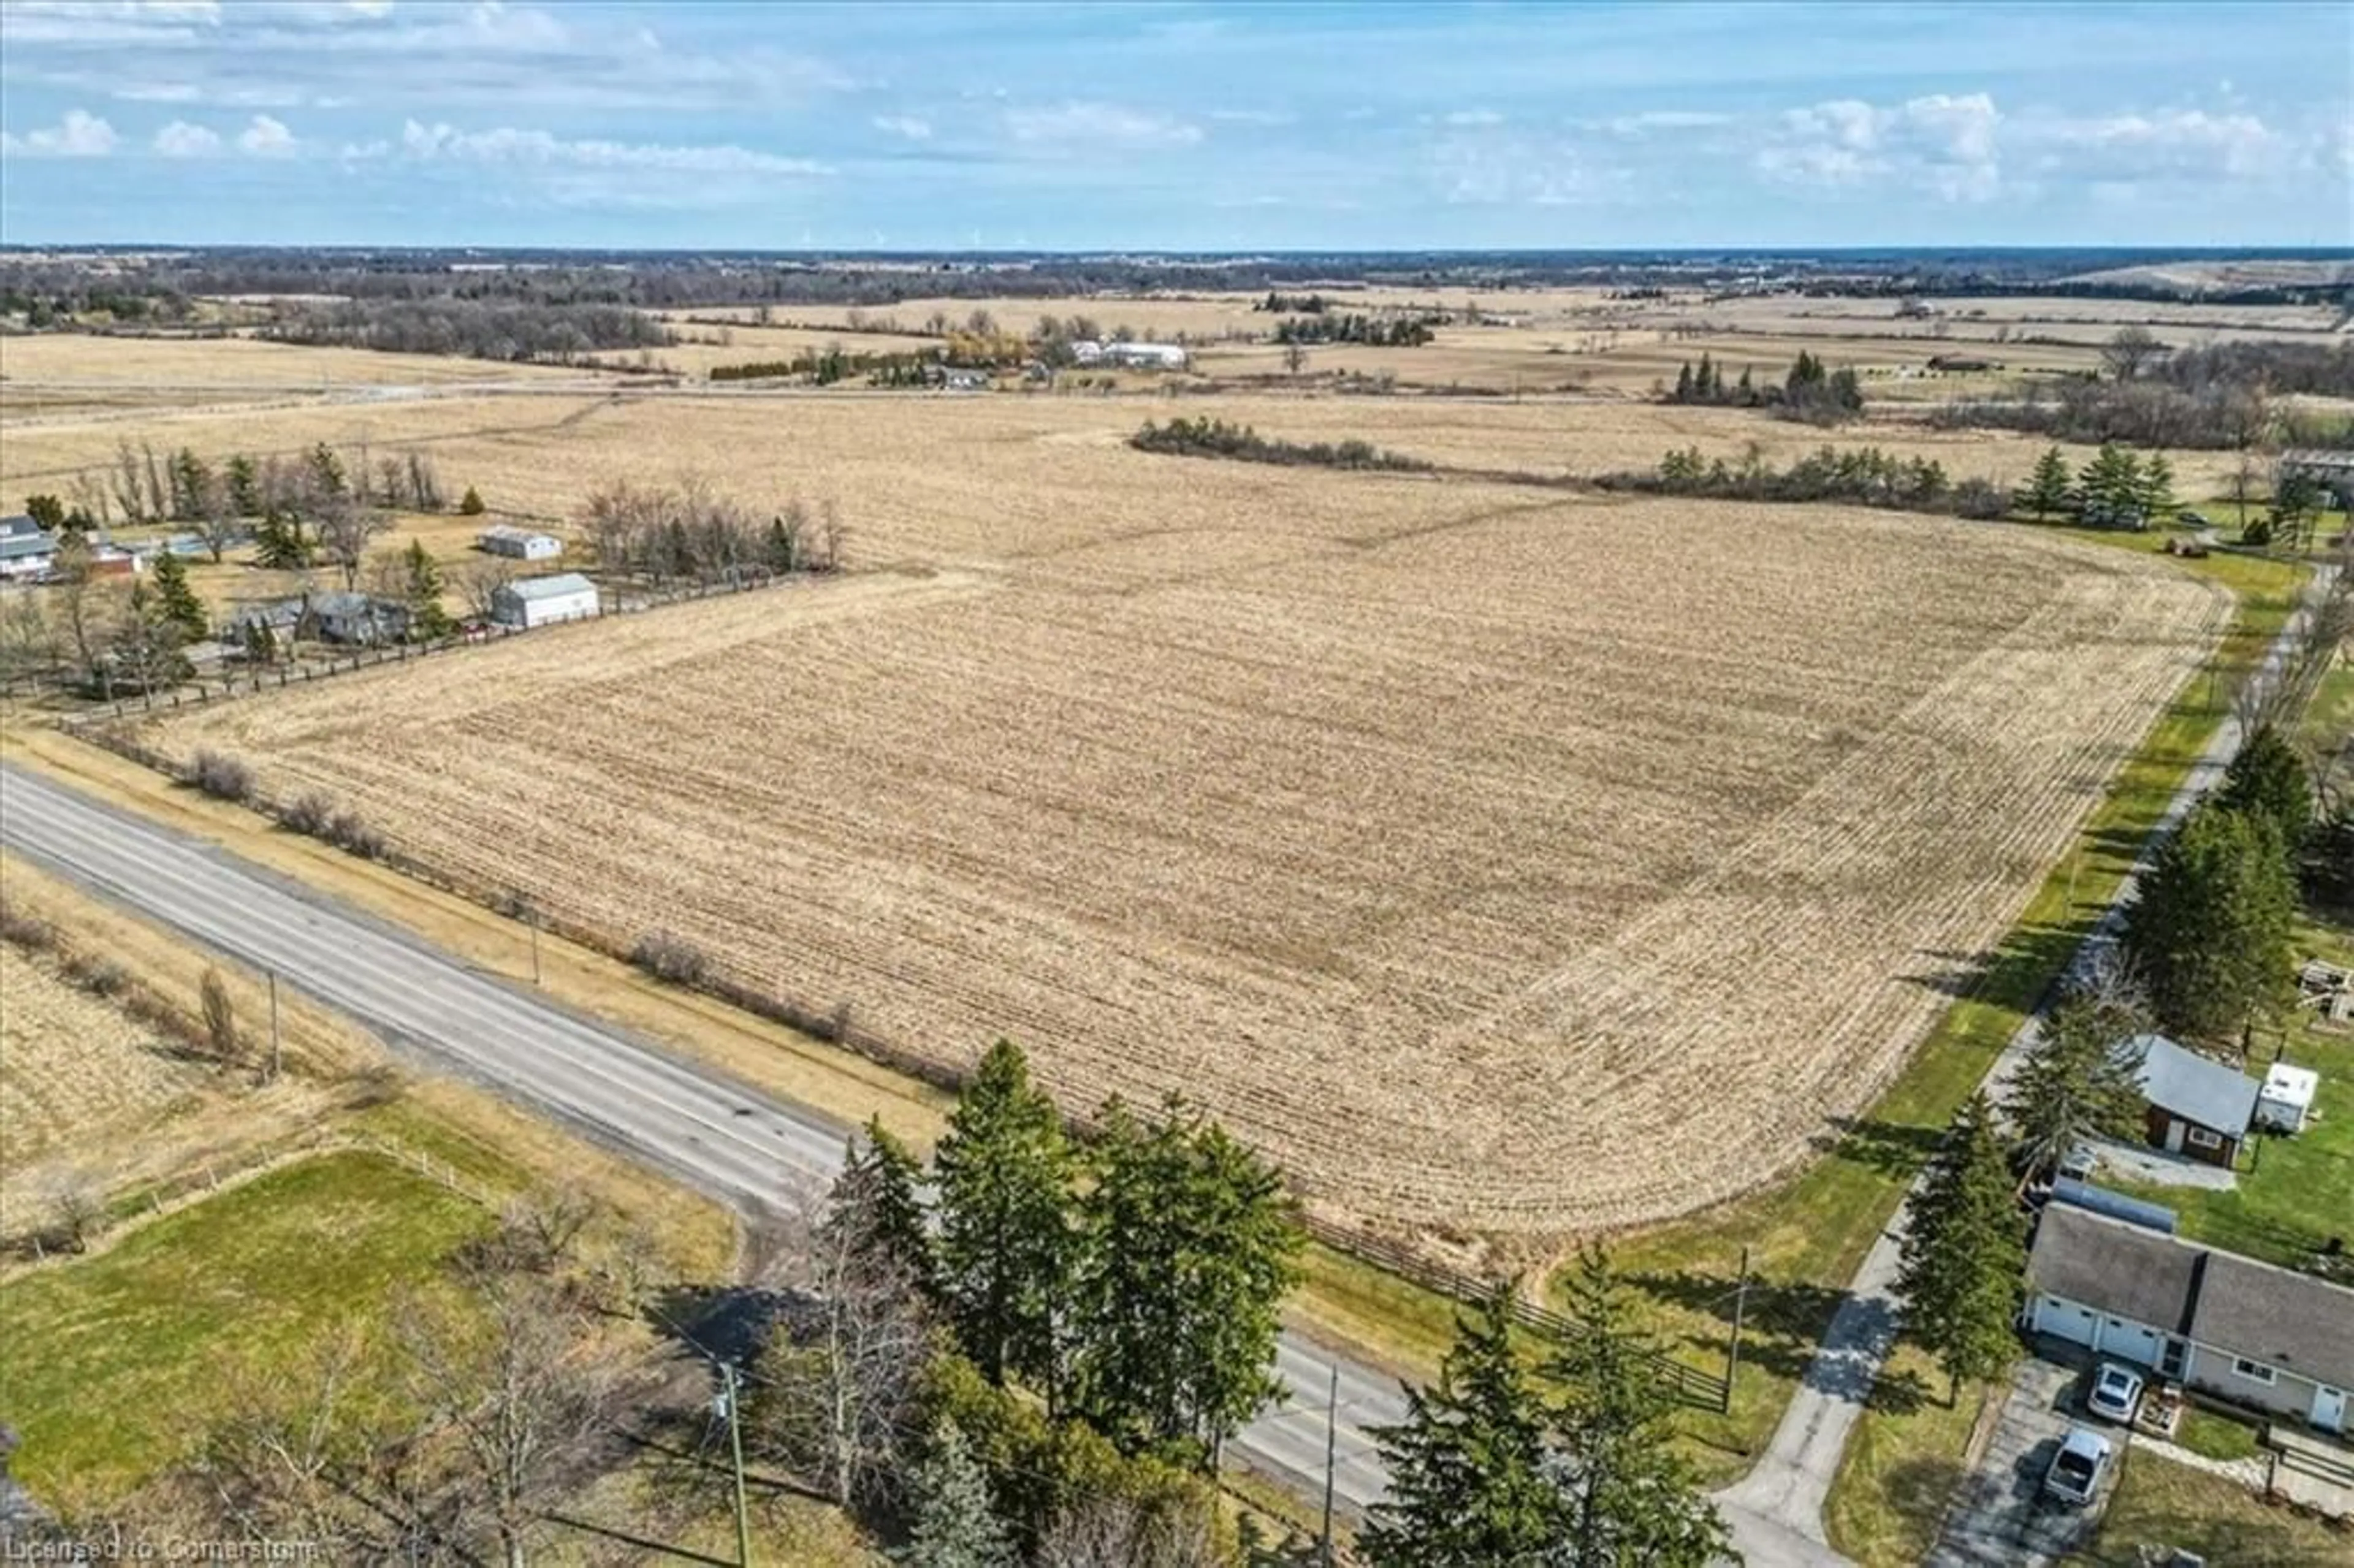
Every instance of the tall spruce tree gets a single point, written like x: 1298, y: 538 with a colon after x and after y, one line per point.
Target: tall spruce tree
x: 951, y: 1523
x: 1189, y: 1249
x: 1468, y: 1482
x: 2074, y: 1084
x: 2048, y: 487
x: 1627, y: 1496
x: 880, y: 1193
x: 2269, y: 781
x: 1965, y: 1252
x: 2210, y: 927
x: 1003, y: 1173
x: 428, y: 622
x: 176, y: 600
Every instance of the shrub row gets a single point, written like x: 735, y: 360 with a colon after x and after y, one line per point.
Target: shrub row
x: 1207, y: 437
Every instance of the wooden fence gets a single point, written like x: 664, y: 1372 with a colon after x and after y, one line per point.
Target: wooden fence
x: 1688, y: 1383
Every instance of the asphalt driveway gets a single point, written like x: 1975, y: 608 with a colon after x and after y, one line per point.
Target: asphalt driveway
x: 2002, y: 1519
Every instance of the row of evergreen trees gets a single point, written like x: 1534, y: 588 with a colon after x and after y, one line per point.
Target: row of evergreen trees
x: 2116, y: 489
x: 1563, y: 1459
x: 1381, y: 331
x: 1810, y: 391
x: 1110, y: 1312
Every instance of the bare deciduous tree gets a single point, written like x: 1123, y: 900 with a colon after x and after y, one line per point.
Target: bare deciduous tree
x: 1116, y: 1533
x: 345, y: 526
x: 478, y: 582
x: 2129, y: 350
x: 220, y: 1018
x: 840, y: 1379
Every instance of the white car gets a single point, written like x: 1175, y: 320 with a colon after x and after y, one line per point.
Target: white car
x: 2079, y: 1162
x: 2115, y: 1393
x: 2076, y: 1469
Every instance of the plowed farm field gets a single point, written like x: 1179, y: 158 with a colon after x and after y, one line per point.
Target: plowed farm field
x: 1491, y: 859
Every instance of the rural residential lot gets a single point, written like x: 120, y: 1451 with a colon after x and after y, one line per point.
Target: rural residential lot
x: 1514, y: 854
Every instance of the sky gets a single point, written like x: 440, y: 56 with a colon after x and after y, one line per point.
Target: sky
x: 1202, y: 127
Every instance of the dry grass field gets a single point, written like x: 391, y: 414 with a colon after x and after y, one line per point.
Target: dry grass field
x: 73, y: 1068
x: 1493, y: 860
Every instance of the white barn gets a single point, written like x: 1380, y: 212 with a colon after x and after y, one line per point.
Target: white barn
x: 542, y: 601
x: 522, y: 544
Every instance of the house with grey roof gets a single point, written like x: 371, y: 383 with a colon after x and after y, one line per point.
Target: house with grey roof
x: 26, y: 549
x: 2197, y: 1107
x: 2246, y: 1332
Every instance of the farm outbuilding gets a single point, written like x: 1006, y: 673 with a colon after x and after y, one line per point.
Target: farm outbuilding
x: 522, y: 544
x: 26, y: 550
x: 543, y: 601
x: 2197, y: 1107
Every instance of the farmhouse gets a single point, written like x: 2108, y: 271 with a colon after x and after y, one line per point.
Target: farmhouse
x: 25, y: 549
x: 2243, y: 1330
x: 2197, y: 1107
x: 542, y: 601
x: 353, y: 618
x: 523, y: 544
x: 1136, y: 356
x: 2334, y: 472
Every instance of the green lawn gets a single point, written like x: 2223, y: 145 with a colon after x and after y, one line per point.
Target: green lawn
x: 2215, y: 1437
x: 1900, y: 1471
x: 2160, y: 1504
x: 112, y: 1364
x: 1807, y: 1236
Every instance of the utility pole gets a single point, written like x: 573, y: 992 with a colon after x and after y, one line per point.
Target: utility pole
x: 276, y: 1057
x: 730, y: 1394
x: 1331, y: 1438
x: 533, y: 916
x: 1740, y: 1309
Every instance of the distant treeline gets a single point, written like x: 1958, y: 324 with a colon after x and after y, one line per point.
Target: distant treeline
x: 1207, y: 437
x: 477, y: 329
x: 1866, y: 476
x: 826, y: 366
x: 2221, y: 396
x: 1382, y: 332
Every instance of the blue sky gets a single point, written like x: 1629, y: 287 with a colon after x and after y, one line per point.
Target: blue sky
x: 1205, y: 127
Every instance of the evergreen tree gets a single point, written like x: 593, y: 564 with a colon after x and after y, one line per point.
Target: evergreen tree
x: 882, y: 1184
x: 244, y: 486
x: 1683, y: 393
x: 427, y: 622
x: 47, y: 512
x: 2074, y: 1084
x: 2154, y: 490
x: 1965, y: 1252
x: 1746, y: 390
x: 2209, y: 928
x: 2109, y: 486
x: 2047, y: 487
x: 2268, y: 779
x: 1189, y: 1243
x: 1627, y: 1496
x: 1469, y: 1485
x: 951, y: 1523
x: 1003, y: 1176
x: 175, y: 602
x: 1705, y: 380
x: 279, y: 542
x: 470, y: 504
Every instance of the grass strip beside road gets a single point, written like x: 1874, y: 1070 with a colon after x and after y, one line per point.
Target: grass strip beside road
x: 2160, y: 1508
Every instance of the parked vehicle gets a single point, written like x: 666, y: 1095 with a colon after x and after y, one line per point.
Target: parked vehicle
x: 2079, y: 1162
x: 2115, y: 1393
x: 2076, y: 1469
x: 2190, y: 519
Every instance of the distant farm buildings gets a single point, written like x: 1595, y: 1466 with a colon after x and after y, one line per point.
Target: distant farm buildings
x: 2333, y: 472
x: 1134, y: 355
x: 26, y: 550
x: 543, y: 601
x: 520, y: 544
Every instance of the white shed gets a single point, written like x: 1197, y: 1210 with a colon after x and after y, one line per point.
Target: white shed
x: 522, y: 544
x: 541, y: 601
x: 2287, y: 1098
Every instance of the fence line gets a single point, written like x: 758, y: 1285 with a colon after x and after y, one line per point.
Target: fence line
x: 1689, y: 1384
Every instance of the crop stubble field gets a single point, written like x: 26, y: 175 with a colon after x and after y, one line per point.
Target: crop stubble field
x: 1494, y: 860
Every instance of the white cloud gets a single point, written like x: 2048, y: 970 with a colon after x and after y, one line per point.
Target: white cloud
x: 1099, y: 125
x: 912, y: 127
x: 2166, y: 142
x: 79, y: 135
x: 1475, y: 117
x: 182, y: 140
x: 1945, y: 143
x: 266, y: 138
x: 507, y: 144
x: 1646, y: 121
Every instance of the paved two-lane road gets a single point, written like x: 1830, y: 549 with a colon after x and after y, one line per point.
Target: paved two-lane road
x: 713, y: 1131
